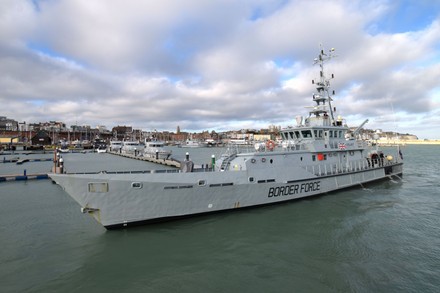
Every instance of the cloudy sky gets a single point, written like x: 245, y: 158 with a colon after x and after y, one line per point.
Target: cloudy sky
x: 219, y: 64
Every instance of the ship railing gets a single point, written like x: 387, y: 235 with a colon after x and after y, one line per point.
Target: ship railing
x: 295, y: 147
x: 348, y: 167
x: 239, y: 149
x: 130, y: 172
x: 202, y: 168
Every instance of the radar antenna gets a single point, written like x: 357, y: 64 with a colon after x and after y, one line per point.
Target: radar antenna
x: 323, y: 84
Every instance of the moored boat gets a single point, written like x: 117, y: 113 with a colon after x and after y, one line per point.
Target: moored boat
x: 189, y: 143
x: 156, y: 149
x: 133, y: 147
x: 115, y: 146
x: 319, y: 155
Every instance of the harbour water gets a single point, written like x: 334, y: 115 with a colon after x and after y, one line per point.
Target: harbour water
x: 383, y: 237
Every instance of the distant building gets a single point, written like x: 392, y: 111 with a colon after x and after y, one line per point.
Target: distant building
x: 53, y: 126
x: 41, y: 138
x: 121, y: 132
x: 8, y: 124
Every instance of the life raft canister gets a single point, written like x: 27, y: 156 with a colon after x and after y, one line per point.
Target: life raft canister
x: 270, y: 145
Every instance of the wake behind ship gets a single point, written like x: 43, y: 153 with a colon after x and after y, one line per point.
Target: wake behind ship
x: 319, y: 155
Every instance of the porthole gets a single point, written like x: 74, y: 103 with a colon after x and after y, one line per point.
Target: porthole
x: 271, y: 161
x: 251, y: 179
x: 253, y: 160
x: 263, y: 160
x: 201, y: 183
x: 137, y: 185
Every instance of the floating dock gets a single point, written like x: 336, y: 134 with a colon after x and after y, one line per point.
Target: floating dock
x: 17, y: 177
x: 19, y: 161
x: 166, y: 162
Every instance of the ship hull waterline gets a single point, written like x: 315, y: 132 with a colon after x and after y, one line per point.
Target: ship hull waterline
x: 138, y: 199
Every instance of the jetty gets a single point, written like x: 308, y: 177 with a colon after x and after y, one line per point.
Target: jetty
x: 167, y: 162
x: 19, y: 161
x: 24, y: 176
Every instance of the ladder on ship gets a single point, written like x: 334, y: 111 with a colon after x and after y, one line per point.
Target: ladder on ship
x: 227, y: 162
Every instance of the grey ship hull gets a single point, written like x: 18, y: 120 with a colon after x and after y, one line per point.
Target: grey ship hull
x: 120, y: 200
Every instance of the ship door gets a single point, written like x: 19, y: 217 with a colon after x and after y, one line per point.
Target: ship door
x: 326, y: 137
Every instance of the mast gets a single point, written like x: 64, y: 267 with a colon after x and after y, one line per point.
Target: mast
x: 323, y: 86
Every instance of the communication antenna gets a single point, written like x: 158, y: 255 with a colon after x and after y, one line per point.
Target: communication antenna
x: 323, y: 84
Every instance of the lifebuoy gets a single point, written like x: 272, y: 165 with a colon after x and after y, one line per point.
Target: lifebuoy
x: 270, y: 145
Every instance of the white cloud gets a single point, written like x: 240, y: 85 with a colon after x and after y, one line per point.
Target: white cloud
x: 211, y: 64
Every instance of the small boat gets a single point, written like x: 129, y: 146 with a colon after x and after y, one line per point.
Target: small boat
x: 239, y: 142
x: 115, y: 146
x: 101, y: 149
x: 100, y: 145
x: 155, y: 149
x: 318, y: 155
x: 133, y: 147
x: 189, y: 143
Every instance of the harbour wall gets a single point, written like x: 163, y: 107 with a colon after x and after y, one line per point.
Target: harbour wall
x: 408, y: 142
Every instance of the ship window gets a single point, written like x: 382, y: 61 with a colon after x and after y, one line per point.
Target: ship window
x: 330, y: 133
x: 313, y: 158
x: 318, y: 133
x: 201, y: 183
x: 292, y: 135
x: 137, y: 185
x: 307, y: 133
x: 271, y: 161
x: 98, y: 187
x: 251, y: 179
x: 298, y: 134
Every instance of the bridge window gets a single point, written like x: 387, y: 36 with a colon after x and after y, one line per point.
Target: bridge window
x: 307, y: 133
x: 318, y: 133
